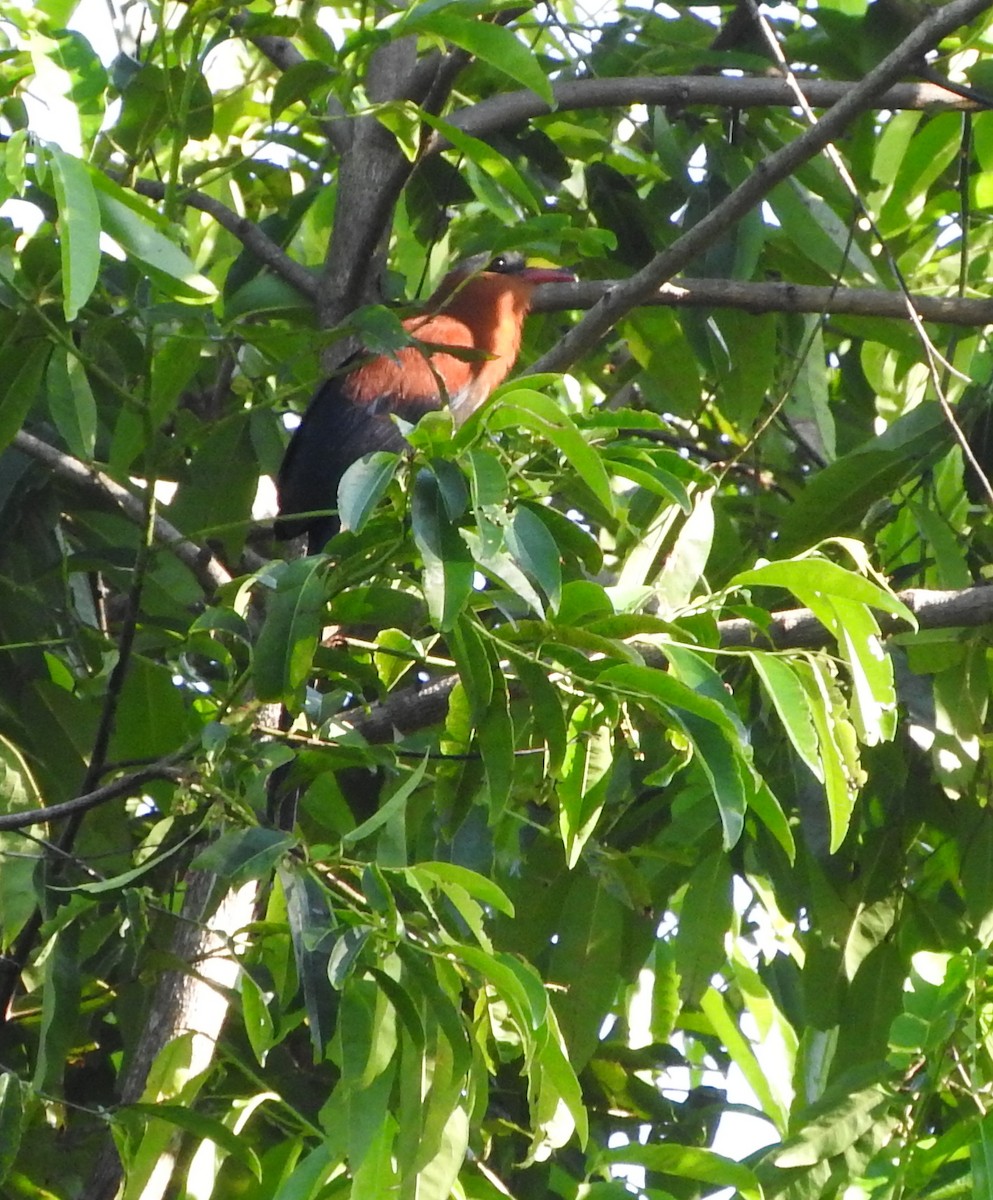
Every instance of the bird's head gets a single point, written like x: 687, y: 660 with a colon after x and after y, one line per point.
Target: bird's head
x: 490, y: 274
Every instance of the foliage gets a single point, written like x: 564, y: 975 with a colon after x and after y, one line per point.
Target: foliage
x: 519, y: 943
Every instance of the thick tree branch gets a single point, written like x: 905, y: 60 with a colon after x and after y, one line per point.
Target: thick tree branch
x: 798, y: 628
x: 767, y: 173
x: 414, y: 708
x: 774, y: 297
x: 683, y: 91
x: 208, y: 571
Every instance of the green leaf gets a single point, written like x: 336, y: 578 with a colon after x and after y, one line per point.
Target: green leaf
x: 814, y: 578
x: 715, y: 1008
x: 874, y: 695
x: 71, y: 403
x: 60, y: 1010
x: 496, y: 45
x: 583, y: 778
x: 586, y: 962
x: 515, y: 407
x: 447, y: 562
x: 205, y: 1128
x: 789, y: 697
x: 244, y: 854
x: 536, y: 553
x: 11, y: 1121
x: 259, y: 1027
x: 311, y: 925
x: 79, y: 229
x: 981, y: 1159
x: 137, y: 230
x: 484, y: 890
x: 502, y: 567
x: 688, y: 1162
x: 394, y: 803
x: 548, y: 718
x: 292, y: 627
x: 704, y: 918
x: 837, y: 1122
x: 840, y: 496
x: 491, y: 164
x: 473, y: 665
x: 495, y: 735
x: 839, y: 769
x: 362, y: 487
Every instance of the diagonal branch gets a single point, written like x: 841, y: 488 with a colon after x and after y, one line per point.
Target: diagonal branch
x: 767, y: 173
x: 207, y: 569
x: 247, y: 232
x: 127, y: 785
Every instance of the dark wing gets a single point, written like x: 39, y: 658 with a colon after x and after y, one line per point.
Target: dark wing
x: 334, y: 433
x: 350, y: 416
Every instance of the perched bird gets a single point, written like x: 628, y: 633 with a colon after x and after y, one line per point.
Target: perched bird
x: 479, y: 307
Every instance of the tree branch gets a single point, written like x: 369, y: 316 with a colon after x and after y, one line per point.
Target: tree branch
x: 682, y: 91
x: 127, y: 785
x: 414, y: 708
x: 798, y: 628
x: 767, y: 173
x: 774, y: 297
x: 209, y: 572
x: 247, y: 232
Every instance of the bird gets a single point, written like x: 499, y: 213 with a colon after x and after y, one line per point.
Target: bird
x: 478, y: 311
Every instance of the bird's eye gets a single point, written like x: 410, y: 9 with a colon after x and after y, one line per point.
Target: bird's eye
x: 500, y: 263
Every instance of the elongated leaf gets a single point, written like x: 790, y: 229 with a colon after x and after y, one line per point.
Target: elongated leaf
x: 494, y: 44
x: 517, y: 407
x: 839, y: 768
x: 535, y: 551
x: 244, y: 854
x: 473, y: 665
x: 362, y: 487
x: 396, y: 802
x: 502, y: 567
x: 71, y: 403
x: 205, y: 1128
x: 138, y: 232
x: 447, y: 561
x: 582, y: 787
x: 485, y: 890
x: 286, y: 645
x: 684, y: 566
x: 79, y: 229
x: 874, y: 694
x: 490, y: 161
x: 837, y: 498
x: 790, y: 700
x: 495, y: 735
x: 312, y: 927
x: 689, y: 1162
x: 742, y: 1055
x: 11, y: 1119
x: 705, y: 917
x: 812, y: 579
